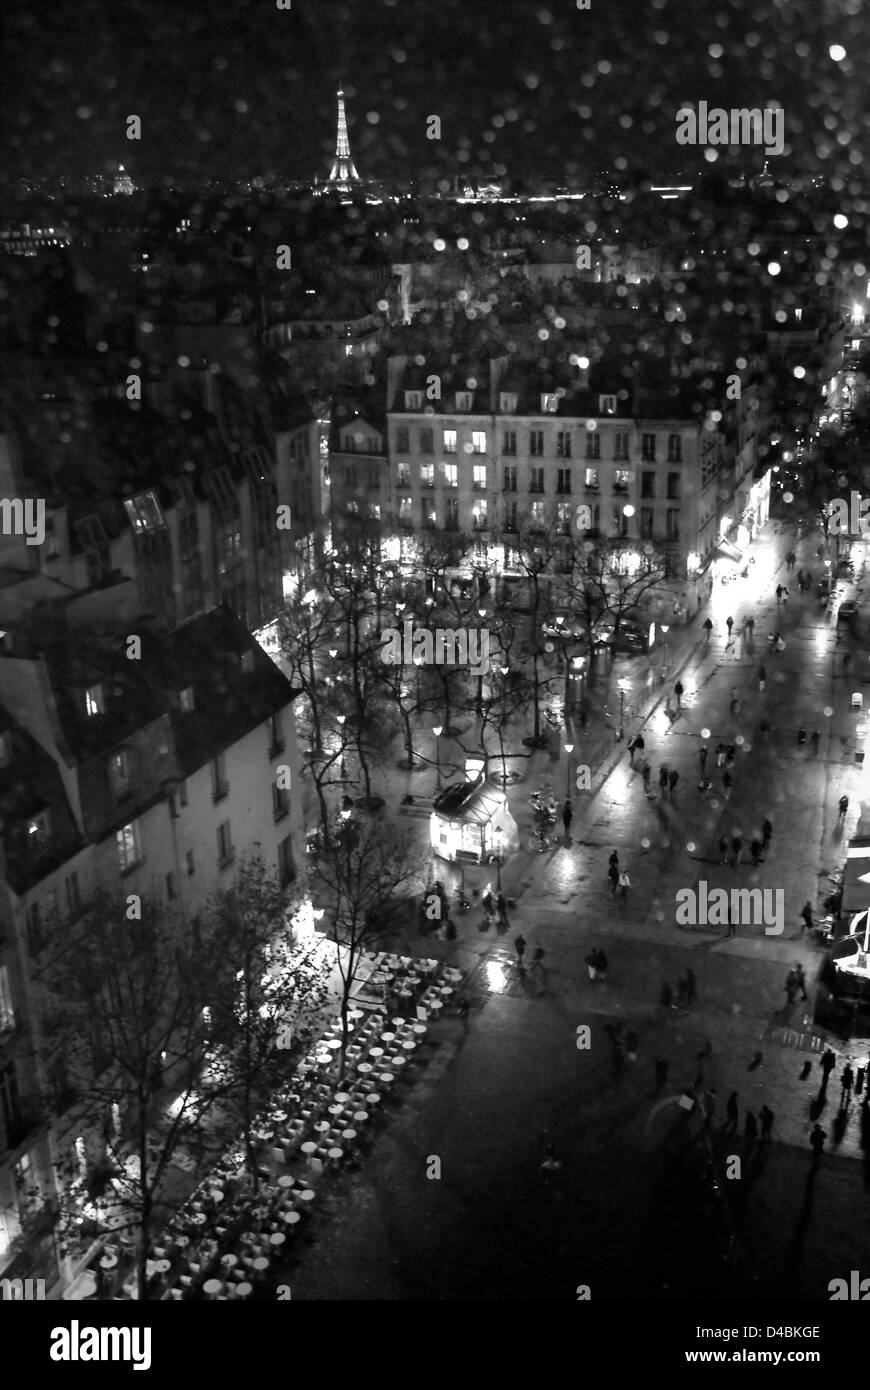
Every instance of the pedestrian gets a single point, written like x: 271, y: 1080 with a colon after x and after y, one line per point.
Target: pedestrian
x: 702, y: 757
x: 730, y: 754
x: 785, y: 594
x: 807, y: 915
x: 767, y: 1118
x: 817, y: 1142
x: 601, y: 965
x: 673, y: 779
x: 647, y: 773
x: 708, y: 628
x: 691, y: 988
x: 860, y: 1076
x: 762, y: 678
x: 766, y: 834
x: 800, y: 580
x: 720, y: 755
x: 727, y: 782
x: 708, y: 1107
x: 729, y: 623
x: 538, y: 957
x: 567, y: 817
x: 590, y: 961
x: 624, y: 885
x: 732, y: 1114
x: 723, y: 850
x: 779, y: 593
x: 613, y: 875
x: 827, y: 1064
x: 462, y: 1008
x: 755, y: 849
x: 631, y: 745
x: 790, y: 986
x: 663, y: 778
x: 734, y: 707
x: 614, y: 859
x: 847, y: 1080
x: 736, y: 850
x: 520, y: 948
x: 750, y: 623
x: 801, y: 980
x: 764, y: 728
x: 678, y: 691
x: 750, y: 1131
x: 631, y: 1043
x: 844, y: 806
x: 501, y: 903
x: 488, y: 906
x: 639, y: 743
x: 814, y: 740
x: 661, y: 1067
x: 666, y: 998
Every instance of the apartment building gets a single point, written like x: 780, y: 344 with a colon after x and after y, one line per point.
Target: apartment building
x: 151, y: 773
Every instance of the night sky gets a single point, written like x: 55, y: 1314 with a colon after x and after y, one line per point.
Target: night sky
x: 524, y: 88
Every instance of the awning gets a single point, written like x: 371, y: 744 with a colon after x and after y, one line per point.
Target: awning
x: 729, y: 549
x: 856, y: 878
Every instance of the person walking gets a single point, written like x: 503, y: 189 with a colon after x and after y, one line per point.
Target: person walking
x: 673, y: 779
x: 601, y: 965
x: 736, y: 850
x: 730, y: 754
x: 723, y: 850
x: 827, y: 1064
x: 807, y: 915
x: 814, y: 740
x: 817, y: 1143
x: 762, y: 679
x: 734, y: 707
x: 801, y: 980
x: 750, y: 1131
x: 844, y: 806
x: 720, y: 755
x: 501, y: 905
x: 847, y: 664
x: 691, y: 988
x: 847, y: 1081
x: 614, y: 858
x: 678, y: 691
x: 785, y: 594
x: 661, y: 1068
x: 767, y: 1118
x: 631, y: 1044
x: 727, y: 783
x: 860, y: 1076
x: 702, y: 757
x: 732, y: 1114
x: 663, y: 778
x: 766, y: 834
x: 613, y: 875
x: 567, y: 817
x: 790, y: 986
x: 779, y: 593
x: 729, y: 623
x: 708, y: 628
x: 624, y: 885
x: 755, y: 850
x: 764, y: 728
x: 647, y: 773
x: 750, y: 623
x: 520, y: 948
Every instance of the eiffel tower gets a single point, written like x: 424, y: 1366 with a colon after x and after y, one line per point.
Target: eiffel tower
x: 343, y: 176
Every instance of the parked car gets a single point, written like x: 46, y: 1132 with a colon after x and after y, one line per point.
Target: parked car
x: 566, y: 628
x: 847, y: 612
x: 627, y: 638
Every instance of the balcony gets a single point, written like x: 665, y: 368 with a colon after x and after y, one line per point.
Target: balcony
x: 226, y: 859
x: 220, y: 790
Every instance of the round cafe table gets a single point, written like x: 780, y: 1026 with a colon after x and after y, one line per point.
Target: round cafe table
x: 285, y: 1180
x: 335, y: 1154
x: 373, y: 1099
x: 409, y: 1045
x: 197, y: 1217
x: 398, y: 1061
x: 244, y: 1290
x: 336, y: 1109
x: 322, y: 1126
x: 419, y: 1029
x: 360, y: 1117
x: 217, y: 1194
x: 211, y: 1287
x: 387, y: 1078
x: 445, y: 991
x: 162, y: 1266
x: 291, y: 1218
x: 279, y: 1116
x: 388, y: 1037
x: 376, y: 1052
x: 229, y: 1261
x: 306, y: 1195
x: 349, y: 1135
x: 355, y: 1013
x: 333, y: 1043
x: 398, y: 1021
x: 309, y: 1147
x: 365, y: 1068
x: 182, y: 1242
x: 277, y: 1239
x: 342, y: 1097
x: 261, y: 1264
x: 109, y: 1262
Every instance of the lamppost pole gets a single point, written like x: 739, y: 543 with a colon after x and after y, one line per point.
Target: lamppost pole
x: 666, y: 627
x: 481, y: 613
x: 569, y: 749
x: 436, y: 729
x: 498, y: 853
x: 621, y: 730
x: 342, y: 770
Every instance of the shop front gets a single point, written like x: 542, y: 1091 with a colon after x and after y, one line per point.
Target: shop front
x: 471, y: 823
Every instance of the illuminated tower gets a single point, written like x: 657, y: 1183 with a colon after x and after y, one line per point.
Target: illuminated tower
x: 123, y: 183
x: 343, y: 175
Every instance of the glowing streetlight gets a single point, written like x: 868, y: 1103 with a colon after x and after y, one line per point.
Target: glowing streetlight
x: 437, y: 729
x: 340, y: 720
x: 499, y: 847
x: 666, y: 627
x: 569, y: 749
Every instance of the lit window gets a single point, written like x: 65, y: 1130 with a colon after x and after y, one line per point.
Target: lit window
x: 479, y: 477
x: 450, y: 441
x: 478, y: 441
x: 451, y: 475
x: 549, y: 402
x: 7, y: 1013
x: 413, y: 400
x: 38, y: 833
x: 225, y: 843
x: 507, y: 402
x: 94, y: 700
x: 463, y: 400
x: 144, y: 512
x: 606, y: 405
x: 127, y: 840
x: 119, y: 771
x: 185, y: 699
x: 427, y: 475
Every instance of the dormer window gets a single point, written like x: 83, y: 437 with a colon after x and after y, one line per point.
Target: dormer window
x: 413, y: 400
x: 144, y: 513
x: 185, y: 699
x: 94, y: 702
x: 549, y: 402
x: 507, y: 402
x: 606, y: 405
x: 463, y: 400
x: 119, y: 772
x: 38, y: 833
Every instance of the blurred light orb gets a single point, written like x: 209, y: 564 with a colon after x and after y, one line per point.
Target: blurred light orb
x: 773, y: 267
x: 837, y: 52
x: 705, y: 733
x: 800, y: 373
x: 645, y: 843
x: 840, y: 221
x: 788, y: 497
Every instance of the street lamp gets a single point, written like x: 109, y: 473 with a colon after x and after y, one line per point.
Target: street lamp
x: 341, y: 718
x: 498, y: 854
x: 665, y: 629
x: 481, y: 613
x: 623, y: 686
x: 579, y: 663
x: 436, y: 729
x: 569, y: 749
